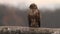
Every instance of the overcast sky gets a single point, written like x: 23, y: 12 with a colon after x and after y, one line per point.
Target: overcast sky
x: 26, y: 3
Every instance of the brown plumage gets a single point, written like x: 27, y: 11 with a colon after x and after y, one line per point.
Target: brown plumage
x: 34, y: 16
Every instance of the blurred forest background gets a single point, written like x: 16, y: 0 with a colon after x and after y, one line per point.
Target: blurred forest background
x: 13, y: 16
